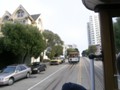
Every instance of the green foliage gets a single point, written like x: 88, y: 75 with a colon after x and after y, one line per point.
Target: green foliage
x: 92, y: 49
x: 54, y: 44
x: 56, y: 51
x: 22, y: 40
x: 85, y: 53
x: 52, y: 39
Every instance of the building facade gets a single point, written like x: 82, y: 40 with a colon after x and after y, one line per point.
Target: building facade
x: 94, y: 35
x: 93, y: 28
x: 22, y: 16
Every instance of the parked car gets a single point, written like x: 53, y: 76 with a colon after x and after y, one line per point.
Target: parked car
x: 12, y: 73
x: 37, y: 67
x: 55, y: 61
x: 62, y: 59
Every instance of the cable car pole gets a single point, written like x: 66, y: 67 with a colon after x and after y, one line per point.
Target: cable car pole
x: 92, y: 71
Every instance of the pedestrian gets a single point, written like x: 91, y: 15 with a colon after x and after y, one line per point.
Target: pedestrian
x: 72, y: 86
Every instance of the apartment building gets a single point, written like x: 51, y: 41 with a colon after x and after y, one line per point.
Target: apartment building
x: 93, y: 28
x: 94, y: 35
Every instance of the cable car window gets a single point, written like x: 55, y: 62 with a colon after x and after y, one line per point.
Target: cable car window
x: 116, y: 29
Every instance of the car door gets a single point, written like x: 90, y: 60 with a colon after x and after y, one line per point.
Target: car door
x: 23, y: 70
x: 17, y: 74
x: 42, y: 67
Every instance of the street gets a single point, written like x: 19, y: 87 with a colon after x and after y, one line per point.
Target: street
x: 56, y: 75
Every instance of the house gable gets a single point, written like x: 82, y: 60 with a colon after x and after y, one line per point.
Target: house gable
x: 35, y: 16
x: 21, y: 13
x: 6, y: 16
x: 22, y: 16
x: 38, y: 21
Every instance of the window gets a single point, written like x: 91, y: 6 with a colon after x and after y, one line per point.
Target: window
x: 9, y: 69
x: 116, y: 31
x: 22, y: 67
x: 18, y: 68
x: 24, y: 21
x: 20, y: 13
x: 6, y: 18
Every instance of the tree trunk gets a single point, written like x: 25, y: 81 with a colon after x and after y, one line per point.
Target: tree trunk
x: 24, y: 57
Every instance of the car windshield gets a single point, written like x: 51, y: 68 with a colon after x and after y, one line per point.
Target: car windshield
x: 54, y: 59
x: 9, y: 70
x: 36, y: 64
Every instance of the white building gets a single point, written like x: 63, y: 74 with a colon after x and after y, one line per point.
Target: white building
x: 94, y: 35
x: 22, y: 16
x: 93, y: 28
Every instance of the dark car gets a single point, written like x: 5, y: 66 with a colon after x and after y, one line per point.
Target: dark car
x: 12, y: 73
x: 37, y: 67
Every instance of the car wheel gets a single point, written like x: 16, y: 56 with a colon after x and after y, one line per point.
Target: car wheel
x: 28, y: 75
x: 11, y: 81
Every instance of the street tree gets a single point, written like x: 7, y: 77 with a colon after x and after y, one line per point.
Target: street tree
x: 92, y: 49
x: 22, y: 41
x: 58, y: 49
x: 52, y: 38
x: 85, y: 53
x: 54, y: 44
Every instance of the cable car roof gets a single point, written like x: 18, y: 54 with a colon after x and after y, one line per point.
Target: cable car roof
x: 95, y: 4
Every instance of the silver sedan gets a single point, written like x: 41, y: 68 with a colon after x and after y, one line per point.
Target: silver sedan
x: 13, y: 73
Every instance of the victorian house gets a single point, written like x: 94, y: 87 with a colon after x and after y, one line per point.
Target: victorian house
x: 22, y: 16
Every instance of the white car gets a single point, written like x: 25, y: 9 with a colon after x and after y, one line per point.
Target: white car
x: 13, y: 73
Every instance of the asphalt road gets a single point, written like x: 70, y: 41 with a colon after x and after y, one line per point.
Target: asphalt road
x: 98, y: 73
x: 56, y: 75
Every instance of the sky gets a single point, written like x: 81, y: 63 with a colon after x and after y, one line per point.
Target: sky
x: 67, y: 18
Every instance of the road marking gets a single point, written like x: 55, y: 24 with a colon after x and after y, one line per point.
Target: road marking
x: 46, y: 78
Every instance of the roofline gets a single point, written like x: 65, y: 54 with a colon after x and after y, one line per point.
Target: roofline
x: 88, y: 7
x: 97, y: 5
x: 111, y: 6
x: 83, y: 1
